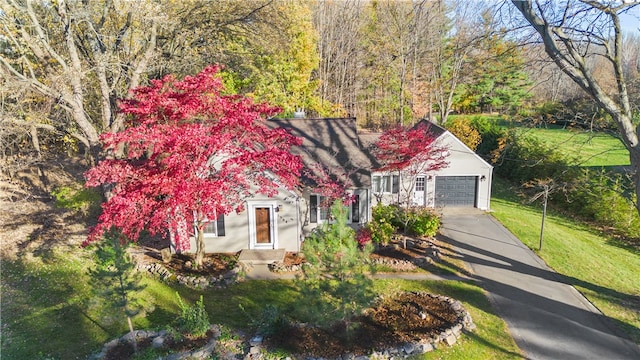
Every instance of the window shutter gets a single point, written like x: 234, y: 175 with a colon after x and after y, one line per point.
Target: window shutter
x: 220, y: 225
x: 355, y: 209
x: 313, y: 209
x: 396, y: 184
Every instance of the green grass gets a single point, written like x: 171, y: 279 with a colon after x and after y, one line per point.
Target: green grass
x: 48, y: 311
x: 606, y: 273
x: 592, y: 149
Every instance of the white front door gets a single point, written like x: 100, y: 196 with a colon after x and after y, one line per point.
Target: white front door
x: 262, y: 226
x: 419, y: 190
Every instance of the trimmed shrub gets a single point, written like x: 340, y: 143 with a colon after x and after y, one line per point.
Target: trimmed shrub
x: 423, y: 222
x: 385, y: 222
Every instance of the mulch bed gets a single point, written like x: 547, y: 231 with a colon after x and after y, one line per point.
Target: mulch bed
x: 408, y: 317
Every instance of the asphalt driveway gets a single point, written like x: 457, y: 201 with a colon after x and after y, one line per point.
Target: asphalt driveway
x: 548, y: 318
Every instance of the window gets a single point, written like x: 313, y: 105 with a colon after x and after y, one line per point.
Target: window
x: 215, y: 228
x: 420, y: 183
x: 386, y: 184
x: 355, y: 209
x: 319, y: 211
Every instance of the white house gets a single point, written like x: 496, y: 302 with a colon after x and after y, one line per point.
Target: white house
x: 282, y: 221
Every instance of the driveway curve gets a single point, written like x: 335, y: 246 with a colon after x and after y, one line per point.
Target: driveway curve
x: 548, y: 318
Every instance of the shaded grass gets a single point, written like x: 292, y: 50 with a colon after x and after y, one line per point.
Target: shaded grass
x: 48, y: 311
x: 608, y: 275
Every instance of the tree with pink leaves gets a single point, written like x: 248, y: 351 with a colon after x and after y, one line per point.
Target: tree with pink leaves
x: 410, y: 152
x: 191, y: 154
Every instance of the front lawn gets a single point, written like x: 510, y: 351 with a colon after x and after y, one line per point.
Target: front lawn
x: 603, y: 269
x: 48, y: 311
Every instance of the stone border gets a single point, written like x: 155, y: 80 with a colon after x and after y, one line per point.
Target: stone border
x: 449, y: 337
x: 194, y: 282
x: 432, y: 256
x: 158, y: 339
x: 255, y: 351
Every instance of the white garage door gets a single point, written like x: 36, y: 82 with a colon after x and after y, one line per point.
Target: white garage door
x: 456, y: 191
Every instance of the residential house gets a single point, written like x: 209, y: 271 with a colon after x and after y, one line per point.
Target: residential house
x: 334, y: 146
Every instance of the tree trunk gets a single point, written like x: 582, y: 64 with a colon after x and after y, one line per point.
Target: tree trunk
x: 134, y: 340
x: 199, y: 246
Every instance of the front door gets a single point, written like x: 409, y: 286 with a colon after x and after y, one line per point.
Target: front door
x: 262, y: 224
x: 418, y: 191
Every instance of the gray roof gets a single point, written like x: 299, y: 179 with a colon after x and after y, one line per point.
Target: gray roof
x: 434, y: 128
x: 334, y: 143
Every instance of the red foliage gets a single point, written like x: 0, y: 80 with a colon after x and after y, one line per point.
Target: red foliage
x: 191, y: 153
x: 363, y: 236
x: 415, y: 150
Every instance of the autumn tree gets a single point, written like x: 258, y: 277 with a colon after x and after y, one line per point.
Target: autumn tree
x: 79, y: 57
x: 573, y: 33
x: 410, y: 152
x: 337, y: 24
x: 191, y: 155
x: 465, y: 132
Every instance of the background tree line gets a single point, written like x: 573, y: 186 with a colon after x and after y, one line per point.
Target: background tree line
x: 64, y: 64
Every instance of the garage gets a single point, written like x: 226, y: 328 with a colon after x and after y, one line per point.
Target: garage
x: 456, y: 191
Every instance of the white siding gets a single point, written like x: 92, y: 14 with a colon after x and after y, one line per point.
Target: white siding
x: 462, y: 162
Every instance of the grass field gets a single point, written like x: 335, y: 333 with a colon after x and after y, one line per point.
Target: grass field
x: 592, y: 149
x: 48, y: 311
x: 606, y: 272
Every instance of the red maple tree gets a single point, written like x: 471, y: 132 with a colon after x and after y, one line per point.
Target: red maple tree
x: 410, y: 152
x: 190, y: 155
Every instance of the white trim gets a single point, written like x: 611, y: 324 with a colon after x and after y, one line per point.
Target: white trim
x: 272, y: 206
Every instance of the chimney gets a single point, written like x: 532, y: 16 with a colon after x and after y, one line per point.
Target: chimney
x: 299, y: 114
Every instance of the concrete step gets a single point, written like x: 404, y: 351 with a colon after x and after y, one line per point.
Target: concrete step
x: 261, y: 257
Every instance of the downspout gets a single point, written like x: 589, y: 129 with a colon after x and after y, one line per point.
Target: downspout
x: 299, y: 226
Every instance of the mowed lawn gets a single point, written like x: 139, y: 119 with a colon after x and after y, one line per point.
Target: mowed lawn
x: 605, y: 271
x: 592, y: 149
x: 49, y: 311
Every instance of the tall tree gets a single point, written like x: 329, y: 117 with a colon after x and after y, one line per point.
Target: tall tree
x: 337, y: 24
x: 397, y: 38
x: 574, y: 32
x: 81, y: 55
x: 192, y: 155
x: 459, y: 37
x: 497, y: 81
